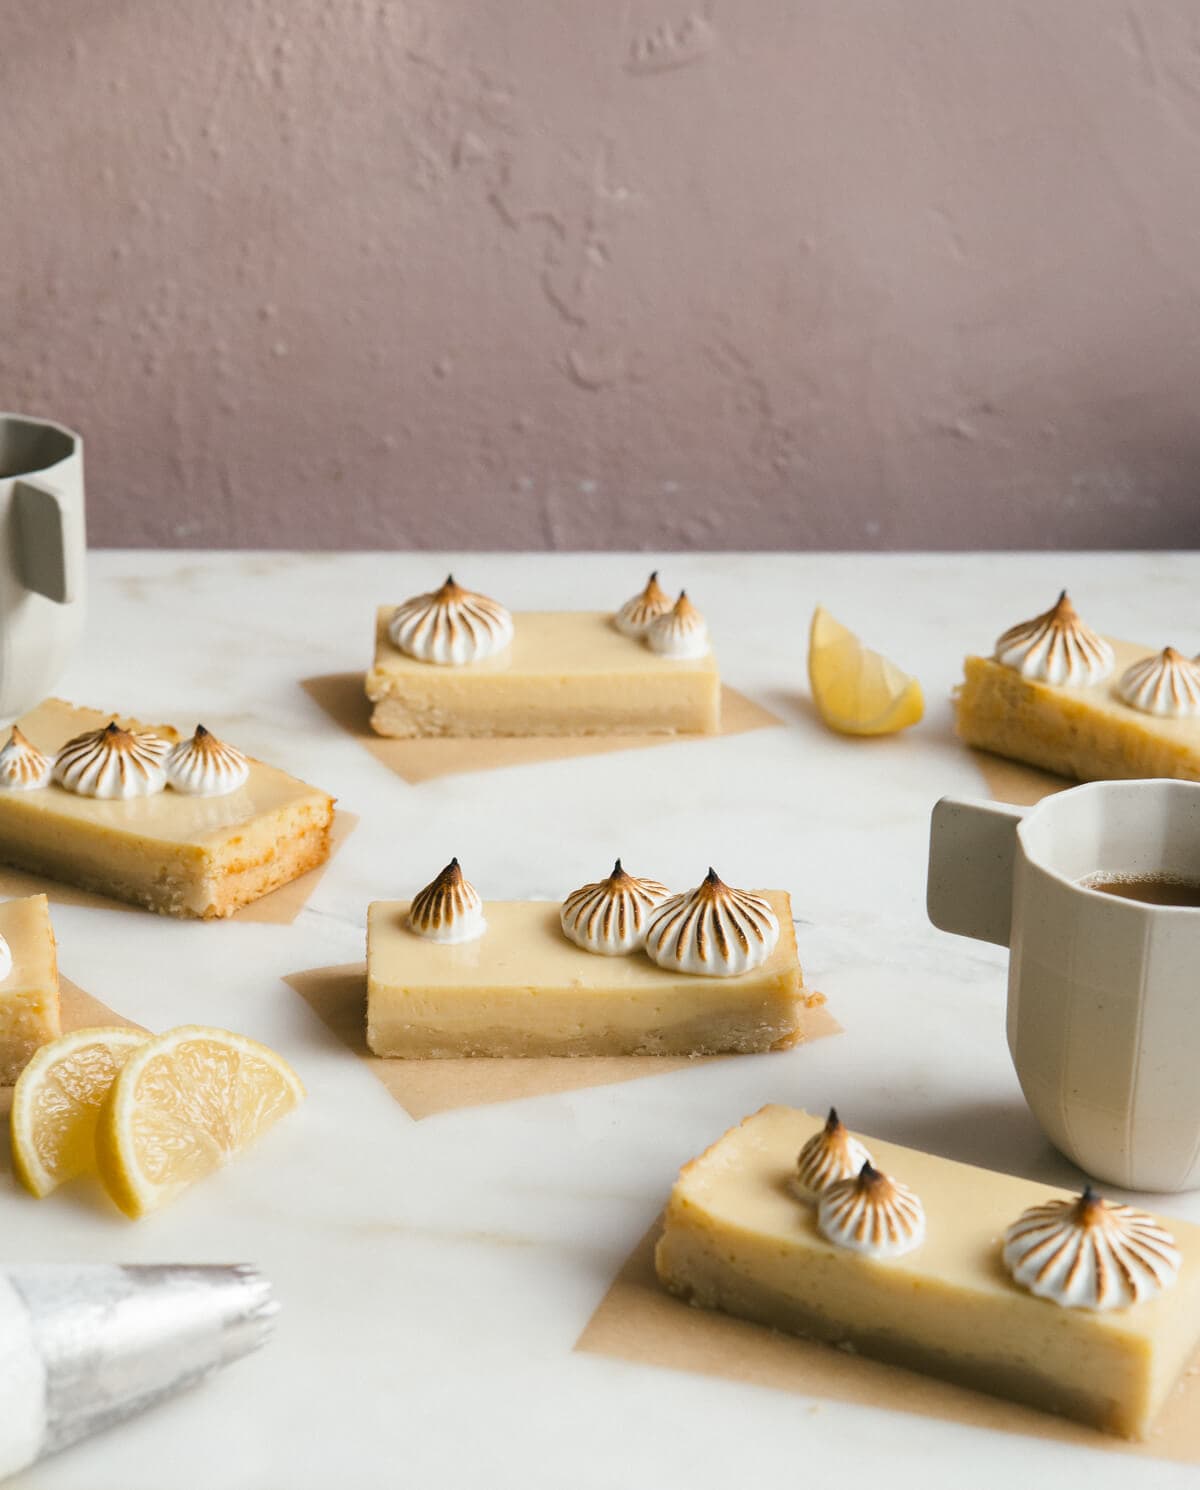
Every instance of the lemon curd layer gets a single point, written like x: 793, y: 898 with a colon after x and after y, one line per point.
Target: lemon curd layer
x: 29, y: 1012
x: 565, y: 673
x: 735, y: 1238
x: 177, y: 854
x: 1088, y: 733
x: 524, y: 989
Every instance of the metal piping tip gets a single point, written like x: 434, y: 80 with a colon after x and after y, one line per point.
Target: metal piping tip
x: 83, y: 1348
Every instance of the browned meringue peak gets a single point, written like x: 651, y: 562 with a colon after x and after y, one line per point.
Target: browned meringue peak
x: 637, y: 614
x: 23, y: 766
x: 451, y: 626
x: 871, y: 1214
x: 712, y: 930
x: 832, y: 1154
x: 113, y: 763
x: 1166, y: 684
x: 448, y: 909
x: 682, y: 632
x: 1091, y: 1253
x: 610, y: 917
x: 1056, y: 647
x: 205, y: 766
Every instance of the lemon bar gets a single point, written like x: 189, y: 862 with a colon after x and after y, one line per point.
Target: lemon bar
x: 1088, y: 733
x: 564, y: 673
x: 738, y: 1237
x: 29, y: 1011
x: 1058, y: 695
x: 524, y: 989
x: 173, y: 852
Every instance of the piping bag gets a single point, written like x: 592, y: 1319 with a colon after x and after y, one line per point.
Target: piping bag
x: 83, y: 1348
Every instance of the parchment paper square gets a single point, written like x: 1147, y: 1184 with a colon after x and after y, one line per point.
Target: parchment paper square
x: 1015, y: 782
x: 637, y: 1320
x: 338, y: 995
x: 342, y: 698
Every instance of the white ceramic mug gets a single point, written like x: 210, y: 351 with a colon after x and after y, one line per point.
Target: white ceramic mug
x: 43, y: 558
x: 1103, y: 992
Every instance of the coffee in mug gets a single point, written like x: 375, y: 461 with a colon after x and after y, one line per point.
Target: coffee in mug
x: 1153, y: 889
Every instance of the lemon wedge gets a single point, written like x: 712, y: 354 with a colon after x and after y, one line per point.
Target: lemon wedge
x: 56, y: 1100
x: 182, y: 1105
x: 856, y: 691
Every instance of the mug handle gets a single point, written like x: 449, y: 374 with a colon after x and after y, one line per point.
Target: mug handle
x: 969, y: 887
x: 48, y: 550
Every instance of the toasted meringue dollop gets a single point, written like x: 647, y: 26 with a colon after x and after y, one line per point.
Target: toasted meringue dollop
x: 871, y: 1214
x: 1166, y: 684
x: 448, y: 909
x: 113, y: 763
x: 638, y: 614
x: 1056, y: 647
x: 831, y: 1155
x: 6, y: 959
x: 1091, y: 1253
x: 610, y: 917
x: 681, y: 632
x: 205, y: 766
x: 712, y: 930
x: 451, y: 626
x: 22, y: 765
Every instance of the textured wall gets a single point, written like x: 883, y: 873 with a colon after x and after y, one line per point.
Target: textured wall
x: 572, y: 273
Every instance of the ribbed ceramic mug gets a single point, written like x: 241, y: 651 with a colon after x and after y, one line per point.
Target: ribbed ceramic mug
x: 43, y: 558
x: 1103, y: 992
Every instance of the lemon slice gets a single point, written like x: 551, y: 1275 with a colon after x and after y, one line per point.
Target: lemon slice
x: 184, y: 1104
x: 857, y: 691
x: 56, y: 1100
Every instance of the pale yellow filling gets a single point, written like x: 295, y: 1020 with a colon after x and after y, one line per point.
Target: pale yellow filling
x: 524, y: 989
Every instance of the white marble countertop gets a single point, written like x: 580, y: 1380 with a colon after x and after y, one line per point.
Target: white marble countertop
x: 435, y: 1275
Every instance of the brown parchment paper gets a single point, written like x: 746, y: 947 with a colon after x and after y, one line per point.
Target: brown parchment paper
x: 639, y: 1321
x: 80, y: 1011
x: 282, y: 906
x: 342, y: 698
x: 338, y: 995
x: 279, y: 908
x: 1012, y: 781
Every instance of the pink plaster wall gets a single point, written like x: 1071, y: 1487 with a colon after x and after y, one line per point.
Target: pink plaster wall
x: 581, y: 273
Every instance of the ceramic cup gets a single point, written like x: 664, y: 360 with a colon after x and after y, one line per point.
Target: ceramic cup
x: 1103, y: 992
x: 42, y: 562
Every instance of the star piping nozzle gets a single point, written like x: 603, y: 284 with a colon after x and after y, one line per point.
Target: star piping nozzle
x: 82, y: 1348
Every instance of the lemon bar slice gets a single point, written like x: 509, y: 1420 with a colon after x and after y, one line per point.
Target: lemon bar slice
x: 737, y: 1238
x: 565, y: 673
x: 524, y: 989
x: 177, y: 854
x: 29, y: 1009
x: 1086, y: 732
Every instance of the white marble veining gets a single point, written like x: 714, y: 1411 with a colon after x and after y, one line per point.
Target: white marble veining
x: 435, y: 1275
